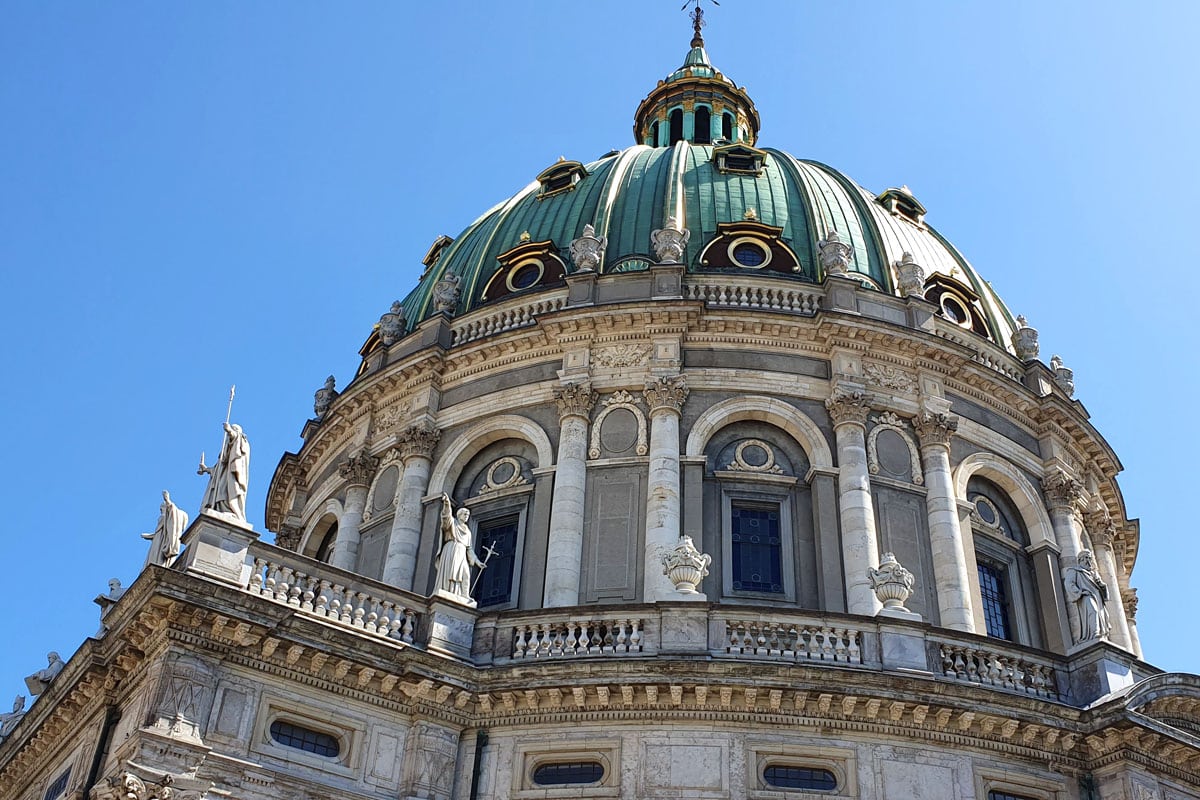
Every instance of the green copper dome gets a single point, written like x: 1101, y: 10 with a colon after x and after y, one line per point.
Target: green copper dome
x: 731, y: 197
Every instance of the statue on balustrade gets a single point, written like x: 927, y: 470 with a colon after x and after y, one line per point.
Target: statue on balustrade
x: 165, y: 540
x: 9, y: 721
x: 229, y: 477
x: 40, y: 680
x: 1089, y: 593
x: 456, y: 556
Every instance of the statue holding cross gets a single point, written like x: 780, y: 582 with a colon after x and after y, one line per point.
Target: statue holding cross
x: 229, y: 478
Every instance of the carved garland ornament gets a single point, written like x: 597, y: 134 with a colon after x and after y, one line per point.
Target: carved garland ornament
x: 886, y: 422
x: 621, y: 399
x: 890, y: 378
x: 740, y: 464
x: 624, y: 355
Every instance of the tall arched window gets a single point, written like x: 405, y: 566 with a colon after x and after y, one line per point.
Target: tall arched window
x: 703, y: 125
x: 676, y: 125
x: 653, y: 135
x: 1006, y: 585
x: 727, y: 126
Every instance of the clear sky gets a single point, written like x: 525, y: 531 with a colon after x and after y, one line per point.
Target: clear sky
x: 200, y: 194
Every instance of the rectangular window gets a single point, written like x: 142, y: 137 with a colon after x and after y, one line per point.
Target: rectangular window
x: 996, y: 794
x: 57, y: 788
x: 495, y: 582
x: 757, y: 548
x: 992, y: 581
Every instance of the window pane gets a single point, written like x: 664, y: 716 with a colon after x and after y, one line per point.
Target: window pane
x: 998, y: 795
x: 676, y: 125
x: 495, y: 582
x: 821, y: 780
x: 757, y: 549
x: 290, y: 735
x: 565, y: 773
x: 703, y: 125
x: 995, y: 601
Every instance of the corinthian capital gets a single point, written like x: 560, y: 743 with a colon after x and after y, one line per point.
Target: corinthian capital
x: 666, y: 393
x: 288, y: 537
x: 1129, y: 599
x: 417, y: 440
x: 575, y: 400
x: 848, y: 408
x: 358, y: 470
x: 933, y: 428
x: 1062, y: 491
x: 1100, y: 526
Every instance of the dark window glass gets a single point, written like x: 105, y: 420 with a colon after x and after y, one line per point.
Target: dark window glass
x: 676, y: 125
x: 495, y: 582
x: 749, y: 255
x: 757, y: 549
x: 995, y: 601
x: 327, y: 541
x: 703, y: 125
x: 654, y: 135
x: 954, y: 310
x: 57, y: 788
x: 526, y: 276
x: 821, y: 780
x: 310, y: 741
x: 727, y: 126
x: 998, y: 795
x: 568, y: 772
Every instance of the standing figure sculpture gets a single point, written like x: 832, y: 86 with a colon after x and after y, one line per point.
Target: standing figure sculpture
x: 1089, y: 593
x: 164, y: 542
x: 38, y: 681
x: 456, y: 556
x: 229, y: 477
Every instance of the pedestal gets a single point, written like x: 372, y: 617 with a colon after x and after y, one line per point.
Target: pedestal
x: 451, y: 626
x: 216, y: 546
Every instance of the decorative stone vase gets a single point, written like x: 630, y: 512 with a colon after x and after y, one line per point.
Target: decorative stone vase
x: 1063, y: 376
x: 392, y: 325
x: 910, y: 276
x: 892, y: 583
x: 686, y: 566
x: 836, y: 255
x: 1025, y: 341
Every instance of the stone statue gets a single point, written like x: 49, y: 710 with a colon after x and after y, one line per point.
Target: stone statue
x: 9, y: 721
x: 445, y: 293
x: 670, y: 242
x: 1025, y: 340
x: 164, y: 542
x: 456, y: 556
x: 1088, y: 592
x: 323, y: 398
x: 229, y: 477
x: 106, y: 602
x: 392, y: 324
x: 38, y: 681
x: 836, y: 255
x: 910, y: 276
x: 588, y: 250
x: 1063, y: 376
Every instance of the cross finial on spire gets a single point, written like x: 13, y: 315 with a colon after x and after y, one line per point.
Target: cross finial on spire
x: 697, y: 16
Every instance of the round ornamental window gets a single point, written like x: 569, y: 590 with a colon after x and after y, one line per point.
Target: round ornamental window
x: 568, y: 773
x: 893, y: 455
x: 503, y: 471
x: 525, y: 275
x: 789, y: 777
x: 755, y: 455
x: 749, y: 252
x: 986, y: 511
x: 955, y: 311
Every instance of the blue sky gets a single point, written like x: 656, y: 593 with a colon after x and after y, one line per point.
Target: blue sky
x: 200, y: 194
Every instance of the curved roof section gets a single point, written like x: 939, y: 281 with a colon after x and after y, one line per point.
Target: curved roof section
x: 629, y: 194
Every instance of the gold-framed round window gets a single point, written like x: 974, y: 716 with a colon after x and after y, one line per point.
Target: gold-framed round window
x: 956, y: 310
x: 749, y: 252
x: 525, y: 275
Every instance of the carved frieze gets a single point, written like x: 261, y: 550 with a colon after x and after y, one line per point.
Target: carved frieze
x: 575, y: 400
x: 622, y: 355
x: 934, y: 428
x: 889, y: 377
x: 666, y: 393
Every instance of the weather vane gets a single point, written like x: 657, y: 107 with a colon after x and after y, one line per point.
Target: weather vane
x: 697, y: 16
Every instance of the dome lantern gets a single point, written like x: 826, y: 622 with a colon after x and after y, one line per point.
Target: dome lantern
x: 696, y: 103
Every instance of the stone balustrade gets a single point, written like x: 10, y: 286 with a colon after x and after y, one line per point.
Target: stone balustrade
x: 768, y: 295
x: 592, y: 637
x: 319, y: 590
x: 982, y: 351
x: 505, y: 317
x: 1017, y: 672
x: 792, y: 640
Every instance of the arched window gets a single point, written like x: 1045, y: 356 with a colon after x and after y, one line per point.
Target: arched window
x: 727, y: 126
x: 325, y: 550
x: 1006, y: 585
x: 676, y: 125
x: 653, y: 135
x: 703, y: 125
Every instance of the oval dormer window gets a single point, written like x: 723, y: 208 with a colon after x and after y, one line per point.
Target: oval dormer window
x: 568, y: 773
x: 813, y: 779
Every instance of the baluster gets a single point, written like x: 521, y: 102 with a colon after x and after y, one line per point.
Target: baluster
x: 995, y: 670
x: 384, y: 624
x: 854, y: 651
x: 519, y: 643
x: 622, y: 645
x: 321, y: 607
x: 256, y: 576
x: 306, y: 600
x: 973, y: 666
x: 371, y: 623
x: 635, y: 637
x: 556, y: 646
x: 947, y: 660
x: 826, y: 644
x: 839, y: 645
x: 572, y: 638
x: 284, y: 583
x: 814, y: 647
x: 360, y: 608
x: 410, y: 624
x: 543, y: 637
x: 347, y: 607
x: 297, y: 587
x: 272, y: 575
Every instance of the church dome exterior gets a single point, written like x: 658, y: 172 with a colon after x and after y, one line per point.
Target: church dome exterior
x: 697, y: 470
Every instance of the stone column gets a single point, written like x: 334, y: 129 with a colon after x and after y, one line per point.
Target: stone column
x: 1063, y: 497
x: 358, y: 471
x: 1129, y: 599
x: 860, y: 547
x: 416, y: 446
x: 665, y: 398
x: 1102, y: 532
x: 564, y: 550
x: 945, y: 533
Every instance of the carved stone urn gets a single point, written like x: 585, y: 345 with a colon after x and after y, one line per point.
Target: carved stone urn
x: 1025, y: 341
x: 686, y: 566
x: 892, y: 583
x: 911, y: 276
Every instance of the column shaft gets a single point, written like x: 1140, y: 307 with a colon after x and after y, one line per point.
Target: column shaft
x: 665, y: 398
x: 401, y: 564
x: 1106, y: 565
x: 564, y: 550
x: 345, y: 548
x: 860, y: 548
x: 946, y: 541
x: 1063, y: 495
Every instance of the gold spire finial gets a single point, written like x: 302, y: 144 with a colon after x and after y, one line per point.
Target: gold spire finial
x: 697, y: 16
